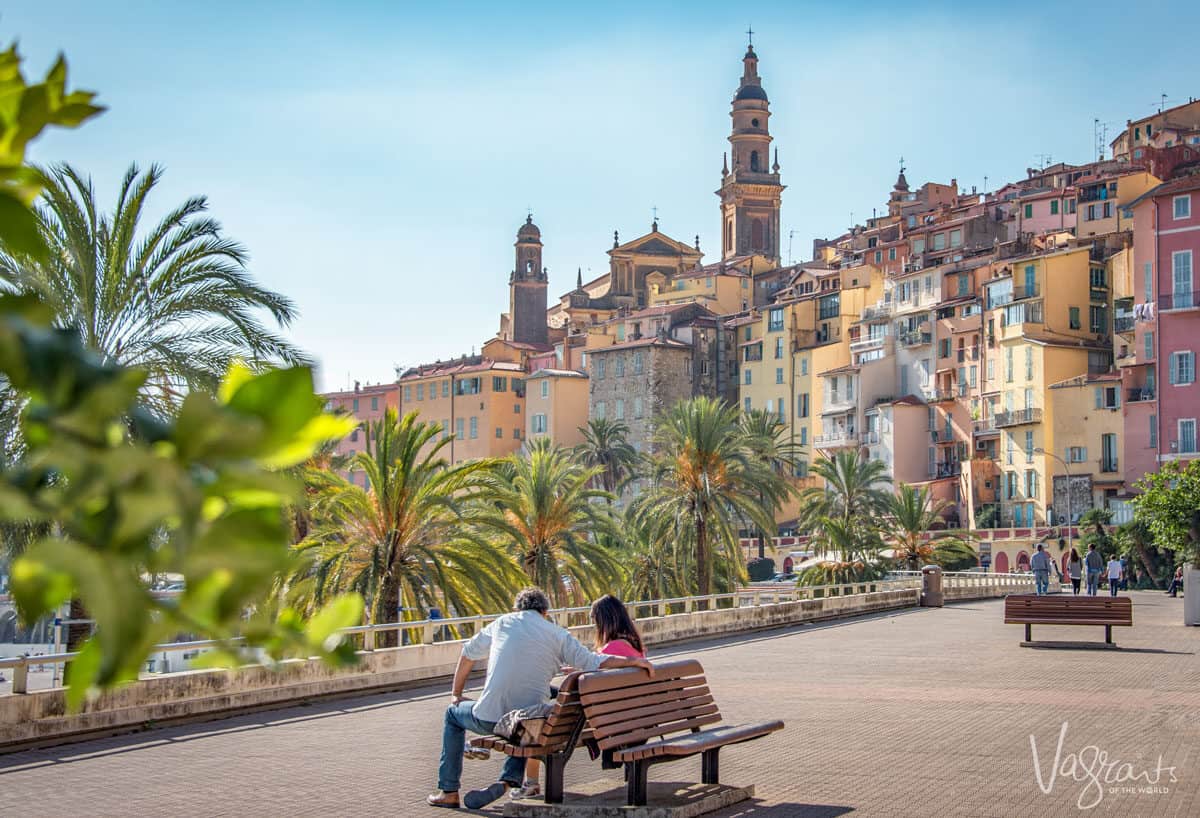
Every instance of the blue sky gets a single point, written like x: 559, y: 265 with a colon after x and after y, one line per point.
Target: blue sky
x: 377, y: 158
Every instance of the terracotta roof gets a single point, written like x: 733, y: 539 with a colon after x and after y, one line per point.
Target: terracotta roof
x: 1084, y: 380
x: 527, y: 345
x: 908, y: 400
x: 839, y: 370
x: 369, y: 389
x: 1063, y: 341
x: 555, y: 373
x: 459, y: 368
x: 660, y: 309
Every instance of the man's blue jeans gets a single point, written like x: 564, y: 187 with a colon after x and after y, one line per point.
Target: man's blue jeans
x: 459, y: 719
x: 1042, y: 581
x: 1093, y: 579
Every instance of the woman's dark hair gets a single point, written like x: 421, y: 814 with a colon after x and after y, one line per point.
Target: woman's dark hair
x: 1074, y: 555
x: 612, y: 622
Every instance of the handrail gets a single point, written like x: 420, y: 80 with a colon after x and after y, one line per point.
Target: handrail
x: 426, y: 631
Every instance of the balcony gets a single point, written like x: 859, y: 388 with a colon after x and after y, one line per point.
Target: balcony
x: 1123, y: 323
x: 870, y: 437
x: 913, y: 337
x: 984, y: 427
x: 835, y: 439
x: 1188, y: 300
x: 1030, y: 290
x: 1140, y: 394
x: 883, y: 309
x: 943, y: 395
x: 870, y: 344
x: 942, y: 436
x: 940, y: 471
x: 1108, y: 465
x: 1018, y: 417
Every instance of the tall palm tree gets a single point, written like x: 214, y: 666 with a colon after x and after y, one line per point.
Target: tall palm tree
x: 407, y: 541
x: 853, y: 554
x: 705, y: 482
x: 653, y: 568
x: 548, y: 517
x: 173, y: 297
x: 854, y: 487
x: 767, y: 439
x: 605, y: 446
x: 912, y: 512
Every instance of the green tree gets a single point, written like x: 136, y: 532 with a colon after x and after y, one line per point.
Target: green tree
x: 406, y: 541
x: 767, y: 438
x: 606, y: 446
x: 912, y: 512
x: 1168, y: 501
x: 551, y: 520
x: 854, y: 487
x: 853, y: 553
x: 1095, y: 522
x: 175, y: 300
x: 122, y: 494
x: 705, y: 482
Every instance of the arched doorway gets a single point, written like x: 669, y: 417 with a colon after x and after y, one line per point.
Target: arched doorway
x: 1000, y: 566
x: 787, y: 565
x: 1022, y: 562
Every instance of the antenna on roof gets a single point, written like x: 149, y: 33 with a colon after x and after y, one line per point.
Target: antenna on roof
x: 1100, y: 133
x: 791, y: 235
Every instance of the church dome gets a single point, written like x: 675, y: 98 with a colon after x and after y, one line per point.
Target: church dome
x: 529, y: 230
x: 751, y: 92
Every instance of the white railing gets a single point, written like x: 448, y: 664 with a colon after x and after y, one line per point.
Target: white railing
x: 430, y: 631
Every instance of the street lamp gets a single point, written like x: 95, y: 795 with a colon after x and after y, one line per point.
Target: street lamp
x: 1067, y: 468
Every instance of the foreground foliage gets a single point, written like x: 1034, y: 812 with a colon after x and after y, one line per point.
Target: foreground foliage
x: 123, y: 494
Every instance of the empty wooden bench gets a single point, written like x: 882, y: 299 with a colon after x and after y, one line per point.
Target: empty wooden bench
x: 561, y: 733
x: 638, y: 721
x: 1030, y: 610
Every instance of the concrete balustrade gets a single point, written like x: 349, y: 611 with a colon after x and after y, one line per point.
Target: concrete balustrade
x: 40, y: 717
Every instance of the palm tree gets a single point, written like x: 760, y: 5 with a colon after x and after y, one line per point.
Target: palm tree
x: 911, y: 513
x: 653, y: 568
x: 408, y: 542
x: 548, y: 517
x: 175, y: 300
x: 705, y: 482
x: 605, y: 446
x: 767, y: 439
x: 855, y: 550
x: 853, y: 487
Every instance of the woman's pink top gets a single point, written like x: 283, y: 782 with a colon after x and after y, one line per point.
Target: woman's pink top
x: 619, y: 647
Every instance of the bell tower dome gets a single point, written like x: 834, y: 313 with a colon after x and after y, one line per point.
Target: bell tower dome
x: 750, y: 189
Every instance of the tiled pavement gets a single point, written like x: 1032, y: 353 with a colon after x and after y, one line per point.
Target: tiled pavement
x: 919, y: 712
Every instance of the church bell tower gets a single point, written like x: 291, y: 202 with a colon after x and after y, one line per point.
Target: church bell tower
x: 527, y: 287
x: 750, y: 190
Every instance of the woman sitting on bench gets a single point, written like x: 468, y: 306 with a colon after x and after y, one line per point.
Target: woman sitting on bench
x: 616, y: 635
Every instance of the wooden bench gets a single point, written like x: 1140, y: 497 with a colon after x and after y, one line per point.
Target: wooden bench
x: 638, y: 721
x: 562, y: 732
x: 1030, y: 610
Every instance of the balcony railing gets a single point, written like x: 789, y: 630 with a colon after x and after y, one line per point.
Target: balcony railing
x: 1018, y: 417
x: 943, y: 470
x: 913, y: 338
x: 1027, y: 291
x: 984, y: 427
x: 871, y: 437
x: 838, y: 437
x: 943, y: 395
x: 869, y: 343
x: 883, y: 309
x: 1139, y: 395
x: 1123, y: 323
x: 1188, y: 300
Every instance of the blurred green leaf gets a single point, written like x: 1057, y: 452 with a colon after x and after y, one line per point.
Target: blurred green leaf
x: 342, y: 612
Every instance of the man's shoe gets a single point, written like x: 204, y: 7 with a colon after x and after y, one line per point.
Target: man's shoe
x: 527, y: 791
x: 478, y: 799
x: 443, y: 799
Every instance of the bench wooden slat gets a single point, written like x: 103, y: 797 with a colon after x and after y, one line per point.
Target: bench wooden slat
x: 694, y: 743
x: 656, y: 686
x: 602, y: 708
x: 660, y: 715
x: 656, y: 731
x: 639, y: 707
x: 621, y: 679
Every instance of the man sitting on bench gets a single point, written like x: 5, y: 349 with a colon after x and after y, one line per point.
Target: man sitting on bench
x: 524, y: 650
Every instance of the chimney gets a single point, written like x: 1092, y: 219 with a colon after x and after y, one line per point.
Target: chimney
x: 357, y: 386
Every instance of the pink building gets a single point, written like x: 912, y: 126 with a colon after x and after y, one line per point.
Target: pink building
x: 366, y: 404
x: 1176, y: 242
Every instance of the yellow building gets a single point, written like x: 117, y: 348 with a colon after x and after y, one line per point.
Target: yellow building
x: 479, y: 403
x: 1102, y: 202
x: 556, y: 406
x: 1086, y: 440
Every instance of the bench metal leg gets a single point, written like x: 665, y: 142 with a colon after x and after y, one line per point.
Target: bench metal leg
x: 710, y: 766
x: 1108, y: 634
x: 1028, y: 632
x: 635, y: 783
x: 555, y: 765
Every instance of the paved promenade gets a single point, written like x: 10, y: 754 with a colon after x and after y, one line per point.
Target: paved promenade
x: 920, y: 712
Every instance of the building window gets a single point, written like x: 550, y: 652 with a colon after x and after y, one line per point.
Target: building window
x: 499, y: 433
x: 1029, y: 211
x: 1030, y: 484
x: 1148, y: 281
x: 545, y: 388
x: 375, y: 402
x: 778, y: 348
x: 802, y: 405
x: 354, y: 436
x: 746, y: 376
x: 939, y: 241
x: 516, y: 408
x: 499, y: 384
x: 1182, y: 206
x: 474, y: 428
x: 1148, y: 343
x: 1029, y: 447
x: 445, y: 429
x: 600, y: 367
x: 459, y: 424
x: 829, y: 307
x: 420, y: 395
x: 637, y: 407
x: 1153, y: 436
x: 619, y: 413
x: 775, y: 319
x: 1008, y: 364
x: 445, y: 389
x: 891, y: 254
x: 637, y: 362
x: 1187, y: 436
x: 746, y: 405
x: 803, y: 435
x: 878, y: 256
x: 1074, y: 322
x: 1181, y: 275
x: 1183, y: 368
x: 601, y: 410
x: 804, y: 366
x: 1098, y: 319
x: 1076, y: 454
x: 619, y: 367
x: 539, y: 424
x: 1054, y: 207
x: 779, y: 375
x: 407, y: 396
x: 1108, y: 397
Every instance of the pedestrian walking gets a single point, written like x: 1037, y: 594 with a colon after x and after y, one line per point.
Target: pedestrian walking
x: 1115, y: 573
x: 1075, y: 571
x: 1040, y: 564
x: 1094, y: 565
